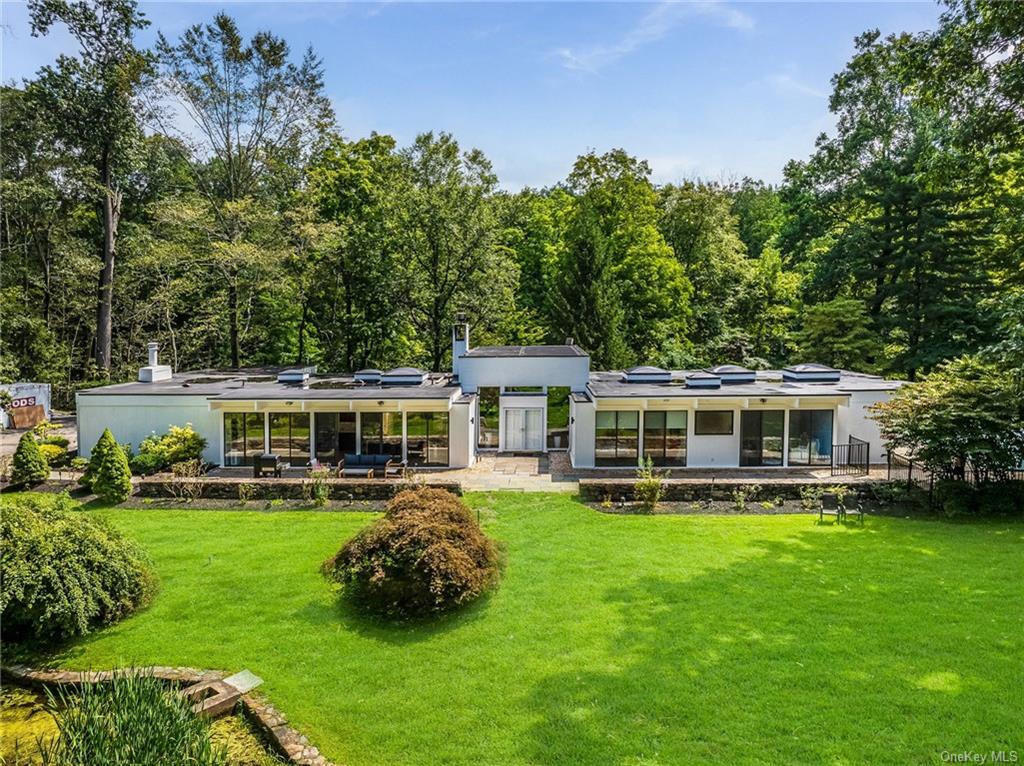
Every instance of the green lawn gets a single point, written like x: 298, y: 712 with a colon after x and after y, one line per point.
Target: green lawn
x: 611, y: 639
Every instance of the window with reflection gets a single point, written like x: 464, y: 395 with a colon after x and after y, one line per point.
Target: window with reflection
x: 381, y: 433
x: 558, y: 418
x: 335, y: 436
x: 712, y: 423
x: 810, y: 437
x: 665, y: 437
x: 616, y: 433
x: 761, y: 437
x: 243, y: 437
x: 428, y: 438
x: 289, y: 436
x: 487, y: 418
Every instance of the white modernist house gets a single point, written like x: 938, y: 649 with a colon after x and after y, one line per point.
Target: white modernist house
x: 503, y: 399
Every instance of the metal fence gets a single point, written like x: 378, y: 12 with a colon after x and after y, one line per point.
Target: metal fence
x: 909, y: 471
x: 852, y: 458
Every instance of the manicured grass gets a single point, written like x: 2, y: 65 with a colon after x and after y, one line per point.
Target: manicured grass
x: 611, y: 639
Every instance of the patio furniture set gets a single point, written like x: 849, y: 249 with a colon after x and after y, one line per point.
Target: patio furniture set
x: 358, y: 466
x: 830, y: 505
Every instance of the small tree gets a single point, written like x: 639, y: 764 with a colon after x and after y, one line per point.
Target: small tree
x: 29, y: 464
x: 648, y: 487
x: 967, y: 415
x: 112, y: 480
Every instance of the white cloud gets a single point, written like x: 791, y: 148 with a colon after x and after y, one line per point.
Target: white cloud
x: 653, y: 26
x: 786, y: 82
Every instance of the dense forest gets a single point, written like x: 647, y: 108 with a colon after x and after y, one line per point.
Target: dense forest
x: 201, y: 194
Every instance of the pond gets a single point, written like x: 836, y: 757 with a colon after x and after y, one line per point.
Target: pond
x: 27, y: 717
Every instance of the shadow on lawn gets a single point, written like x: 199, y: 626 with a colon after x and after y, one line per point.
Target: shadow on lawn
x: 390, y: 631
x: 846, y: 647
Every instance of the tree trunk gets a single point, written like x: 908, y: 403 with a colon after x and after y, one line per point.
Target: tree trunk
x: 302, y: 332
x: 105, y: 298
x: 233, y: 312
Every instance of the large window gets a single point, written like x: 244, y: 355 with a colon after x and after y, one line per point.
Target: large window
x: 381, y: 433
x: 335, y: 436
x: 243, y: 437
x: 761, y: 437
x: 558, y: 417
x: 615, y: 437
x: 487, y: 418
x: 428, y: 438
x: 289, y: 436
x: 810, y: 437
x: 712, y: 423
x: 665, y: 437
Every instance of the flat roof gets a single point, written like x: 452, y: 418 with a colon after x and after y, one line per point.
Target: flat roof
x: 767, y: 383
x: 527, y: 351
x: 247, y: 385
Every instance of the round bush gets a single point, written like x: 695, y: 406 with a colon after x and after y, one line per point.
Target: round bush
x: 65, y: 571
x: 426, y: 555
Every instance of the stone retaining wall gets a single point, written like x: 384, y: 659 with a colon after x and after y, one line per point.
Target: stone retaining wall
x: 226, y: 488
x: 598, y: 490
x: 288, y: 742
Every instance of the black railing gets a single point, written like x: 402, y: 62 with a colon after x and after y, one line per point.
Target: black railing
x: 909, y: 471
x: 852, y: 458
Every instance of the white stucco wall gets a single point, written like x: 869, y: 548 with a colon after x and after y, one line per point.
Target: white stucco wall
x: 856, y: 420
x: 713, y: 451
x: 133, y: 418
x: 571, y: 371
x: 460, y: 434
x: 582, y: 437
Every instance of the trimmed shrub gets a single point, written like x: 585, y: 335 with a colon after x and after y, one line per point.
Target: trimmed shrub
x: 996, y: 498
x: 65, y: 572
x: 112, y: 480
x: 179, y: 445
x: 147, y: 463
x: 29, y: 465
x: 134, y: 719
x: 60, y: 441
x: 53, y: 454
x: 426, y: 555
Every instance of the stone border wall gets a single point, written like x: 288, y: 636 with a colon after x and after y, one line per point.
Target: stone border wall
x: 288, y: 742
x: 226, y: 488
x: 616, y: 490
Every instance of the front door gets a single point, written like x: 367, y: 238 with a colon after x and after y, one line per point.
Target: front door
x: 524, y: 429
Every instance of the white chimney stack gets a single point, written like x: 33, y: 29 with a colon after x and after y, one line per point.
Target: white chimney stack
x: 460, y: 340
x: 155, y: 372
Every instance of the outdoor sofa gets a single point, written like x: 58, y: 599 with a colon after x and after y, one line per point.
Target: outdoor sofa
x: 368, y: 466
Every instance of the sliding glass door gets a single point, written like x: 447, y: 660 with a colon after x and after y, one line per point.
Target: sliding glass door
x: 428, y: 438
x: 335, y: 436
x: 810, y: 437
x: 289, y: 436
x: 665, y: 437
x: 761, y: 437
x: 616, y: 435
x: 243, y: 437
x: 381, y: 433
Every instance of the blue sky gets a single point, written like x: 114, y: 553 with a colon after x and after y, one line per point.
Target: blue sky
x: 700, y: 89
